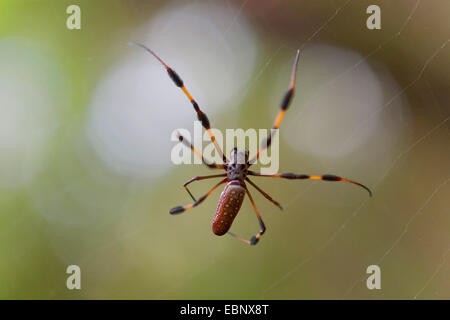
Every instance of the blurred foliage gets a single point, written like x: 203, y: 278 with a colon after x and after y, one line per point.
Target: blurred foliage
x: 118, y: 230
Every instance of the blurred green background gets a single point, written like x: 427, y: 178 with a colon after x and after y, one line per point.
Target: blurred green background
x: 85, y: 170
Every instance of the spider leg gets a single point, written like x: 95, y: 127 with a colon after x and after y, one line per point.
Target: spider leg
x: 179, y: 83
x: 284, y: 105
x: 264, y: 194
x: 254, y: 240
x: 188, y: 144
x: 198, y: 179
x: 326, y: 177
x: 181, y: 209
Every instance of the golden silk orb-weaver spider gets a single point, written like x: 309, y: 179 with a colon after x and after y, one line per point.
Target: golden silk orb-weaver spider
x: 236, y: 168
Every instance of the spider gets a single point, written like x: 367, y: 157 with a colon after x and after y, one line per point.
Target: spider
x: 237, y: 167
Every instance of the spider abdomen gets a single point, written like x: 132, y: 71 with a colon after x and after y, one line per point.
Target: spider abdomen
x: 230, y: 202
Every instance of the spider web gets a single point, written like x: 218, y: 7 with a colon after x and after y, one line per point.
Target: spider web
x: 439, y: 126
x: 403, y: 154
x: 433, y: 132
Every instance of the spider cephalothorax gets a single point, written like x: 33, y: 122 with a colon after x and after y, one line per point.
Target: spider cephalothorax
x: 237, y: 168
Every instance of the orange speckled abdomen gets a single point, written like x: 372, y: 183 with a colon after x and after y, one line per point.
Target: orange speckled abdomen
x: 230, y: 202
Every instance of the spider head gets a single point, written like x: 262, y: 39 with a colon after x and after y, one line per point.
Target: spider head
x: 237, y: 168
x: 239, y: 157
